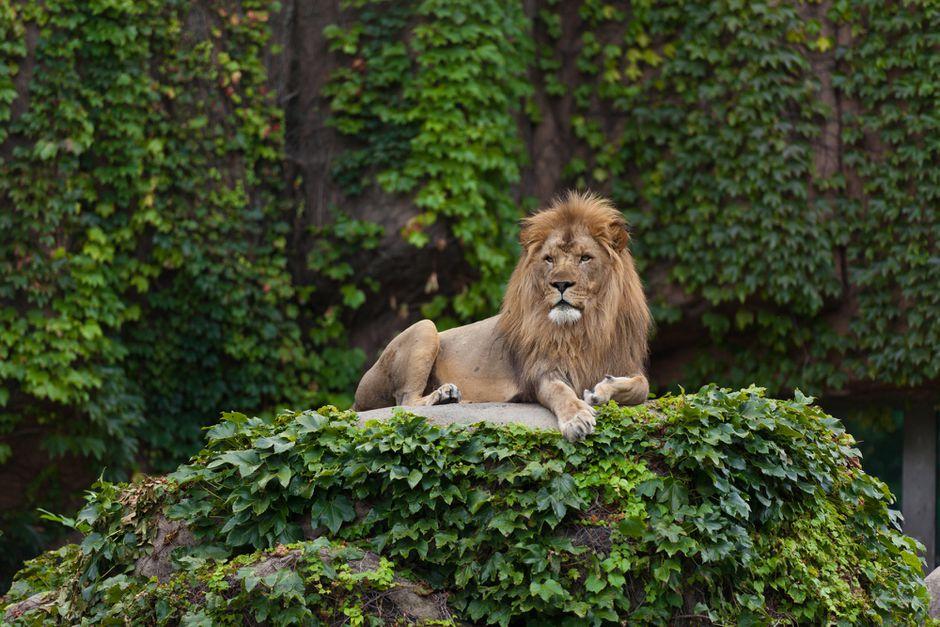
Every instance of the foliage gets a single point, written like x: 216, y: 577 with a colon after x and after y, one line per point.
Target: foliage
x: 890, y: 140
x: 767, y: 192
x: 774, y: 159
x: 432, y: 92
x: 312, y: 586
x: 143, y: 241
x: 723, y: 506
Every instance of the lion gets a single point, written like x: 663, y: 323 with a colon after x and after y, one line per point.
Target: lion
x: 574, y: 317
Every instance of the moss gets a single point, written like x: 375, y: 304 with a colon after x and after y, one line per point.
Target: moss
x: 720, y: 506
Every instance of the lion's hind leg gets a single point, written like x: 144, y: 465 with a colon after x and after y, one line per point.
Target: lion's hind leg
x: 400, y: 375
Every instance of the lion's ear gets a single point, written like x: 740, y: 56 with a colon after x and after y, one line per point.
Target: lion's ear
x: 618, y: 233
x: 525, y: 236
x: 529, y: 233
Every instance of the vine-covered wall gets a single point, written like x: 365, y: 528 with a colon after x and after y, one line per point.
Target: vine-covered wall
x: 431, y: 95
x: 143, y: 241
x: 225, y: 204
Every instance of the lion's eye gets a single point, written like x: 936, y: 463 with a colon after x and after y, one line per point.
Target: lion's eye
x: 549, y: 259
x: 586, y: 258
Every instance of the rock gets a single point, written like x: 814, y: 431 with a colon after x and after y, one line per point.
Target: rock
x: 501, y: 525
x: 933, y: 589
x: 39, y: 601
x: 170, y: 535
x: 404, y: 600
x: 529, y: 414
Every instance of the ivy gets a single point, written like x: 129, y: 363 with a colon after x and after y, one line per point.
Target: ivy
x: 144, y: 236
x: 890, y: 141
x: 773, y: 158
x: 723, y: 505
x: 432, y: 91
x: 12, y: 50
x: 774, y: 170
x: 211, y: 592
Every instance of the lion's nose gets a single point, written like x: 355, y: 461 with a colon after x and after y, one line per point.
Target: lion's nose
x: 561, y: 286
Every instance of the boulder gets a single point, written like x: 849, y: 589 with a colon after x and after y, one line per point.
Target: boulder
x: 933, y: 589
x: 171, y: 535
x: 528, y: 415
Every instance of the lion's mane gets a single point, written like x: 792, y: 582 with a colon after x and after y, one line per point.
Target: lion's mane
x: 612, y: 335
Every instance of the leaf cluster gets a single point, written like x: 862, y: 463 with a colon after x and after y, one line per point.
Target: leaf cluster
x: 777, y: 173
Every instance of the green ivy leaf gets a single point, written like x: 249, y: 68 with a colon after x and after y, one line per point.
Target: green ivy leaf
x: 332, y: 512
x: 548, y: 589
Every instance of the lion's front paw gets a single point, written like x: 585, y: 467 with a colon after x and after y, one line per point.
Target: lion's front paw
x: 578, y: 426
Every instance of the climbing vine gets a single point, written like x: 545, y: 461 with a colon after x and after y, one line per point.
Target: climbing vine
x: 143, y: 240
x: 781, y: 201
x: 432, y: 91
x: 771, y: 157
x: 774, y: 159
x: 894, y: 227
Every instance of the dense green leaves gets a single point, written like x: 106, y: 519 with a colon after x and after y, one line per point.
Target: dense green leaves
x: 315, y: 583
x: 775, y: 160
x: 892, y: 139
x: 435, y: 103
x: 143, y: 234
x: 729, y: 506
x: 332, y: 513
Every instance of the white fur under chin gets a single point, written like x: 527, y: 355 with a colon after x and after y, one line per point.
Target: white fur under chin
x: 564, y: 315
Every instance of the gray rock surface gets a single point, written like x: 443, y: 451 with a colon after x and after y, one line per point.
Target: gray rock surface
x: 933, y: 589
x: 529, y: 414
x: 39, y: 601
x: 170, y: 535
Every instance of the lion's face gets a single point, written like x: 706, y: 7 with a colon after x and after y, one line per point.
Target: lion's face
x: 569, y: 270
x: 574, y: 303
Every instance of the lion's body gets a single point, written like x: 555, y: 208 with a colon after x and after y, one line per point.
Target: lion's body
x: 574, y: 312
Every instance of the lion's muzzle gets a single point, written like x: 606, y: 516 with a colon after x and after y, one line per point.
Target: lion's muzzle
x: 564, y: 313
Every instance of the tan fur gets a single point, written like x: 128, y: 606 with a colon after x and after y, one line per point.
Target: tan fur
x: 575, y: 258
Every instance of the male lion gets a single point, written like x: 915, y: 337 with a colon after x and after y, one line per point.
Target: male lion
x: 574, y: 311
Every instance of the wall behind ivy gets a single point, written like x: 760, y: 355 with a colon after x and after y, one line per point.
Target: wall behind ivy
x: 220, y: 205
